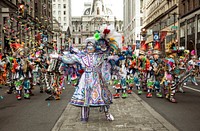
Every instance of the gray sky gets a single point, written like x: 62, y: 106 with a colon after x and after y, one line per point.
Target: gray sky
x: 115, y: 5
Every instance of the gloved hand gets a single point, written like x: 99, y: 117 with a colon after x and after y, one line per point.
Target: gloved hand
x: 54, y: 56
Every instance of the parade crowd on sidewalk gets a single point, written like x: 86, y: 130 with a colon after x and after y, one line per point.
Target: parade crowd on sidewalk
x: 91, y: 71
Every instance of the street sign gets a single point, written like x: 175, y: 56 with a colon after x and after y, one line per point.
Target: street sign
x: 45, y: 38
x: 155, y: 35
x: 174, y: 27
x: 137, y: 44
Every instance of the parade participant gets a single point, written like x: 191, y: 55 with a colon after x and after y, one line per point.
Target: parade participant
x: 158, y: 70
x: 181, y: 67
x: 169, y: 76
x: 3, y: 70
x: 142, y: 67
x: 130, y: 82
x: 123, y: 73
x: 149, y: 71
x: 52, y: 78
x: 92, y: 89
x: 193, y: 66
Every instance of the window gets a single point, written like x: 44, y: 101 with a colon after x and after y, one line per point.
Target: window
x: 64, y: 6
x: 64, y: 12
x: 64, y: 0
x: 54, y: 6
x: 199, y: 25
x: 59, y: 19
x: 59, y: 6
x: 182, y: 31
x: 98, y: 11
x: 65, y: 24
x: 54, y: 0
x: 79, y: 40
x: 73, y: 40
x: 64, y: 18
x: 59, y: 12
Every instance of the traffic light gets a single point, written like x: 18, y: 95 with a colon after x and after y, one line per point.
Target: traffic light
x: 21, y: 10
x: 143, y: 32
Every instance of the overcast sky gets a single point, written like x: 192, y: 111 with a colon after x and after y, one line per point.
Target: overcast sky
x: 115, y: 5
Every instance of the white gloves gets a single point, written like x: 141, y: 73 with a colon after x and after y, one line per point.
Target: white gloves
x: 54, y: 56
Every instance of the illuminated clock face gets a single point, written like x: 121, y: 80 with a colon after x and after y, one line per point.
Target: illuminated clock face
x: 87, y: 12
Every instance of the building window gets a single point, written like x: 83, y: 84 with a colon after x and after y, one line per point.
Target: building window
x: 98, y: 11
x: 65, y: 24
x: 59, y: 6
x: 64, y: 18
x: 64, y: 12
x: 64, y: 6
x: 59, y: 19
x: 64, y: 0
x: 198, y: 24
x: 73, y: 40
x: 54, y: 0
x: 79, y: 40
x: 54, y: 6
x: 59, y: 12
x: 182, y: 30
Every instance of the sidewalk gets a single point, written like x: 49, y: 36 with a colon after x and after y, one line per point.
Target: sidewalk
x: 131, y: 114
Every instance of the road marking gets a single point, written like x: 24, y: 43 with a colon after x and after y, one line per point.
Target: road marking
x: 191, y: 88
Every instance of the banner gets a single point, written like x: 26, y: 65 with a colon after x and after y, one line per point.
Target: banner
x: 163, y: 35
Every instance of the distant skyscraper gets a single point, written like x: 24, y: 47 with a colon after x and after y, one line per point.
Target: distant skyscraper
x: 62, y: 12
x: 132, y: 20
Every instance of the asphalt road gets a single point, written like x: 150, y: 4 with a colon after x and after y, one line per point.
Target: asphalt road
x: 35, y: 114
x: 185, y: 114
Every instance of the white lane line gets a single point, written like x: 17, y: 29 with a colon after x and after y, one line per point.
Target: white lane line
x: 191, y: 88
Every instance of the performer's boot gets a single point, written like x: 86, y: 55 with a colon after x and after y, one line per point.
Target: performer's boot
x: 159, y: 94
x: 124, y: 95
x: 26, y: 94
x: 149, y: 95
x: 194, y: 80
x: 117, y: 94
x: 139, y: 90
x: 130, y: 90
x: 51, y: 97
x: 85, y: 114
x: 41, y: 88
x: 108, y: 115
x: 19, y: 95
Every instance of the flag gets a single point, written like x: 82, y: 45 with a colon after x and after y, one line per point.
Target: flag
x: 163, y: 35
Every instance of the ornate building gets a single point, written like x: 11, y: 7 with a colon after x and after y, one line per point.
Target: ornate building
x: 189, y: 11
x: 160, y: 17
x: 95, y: 14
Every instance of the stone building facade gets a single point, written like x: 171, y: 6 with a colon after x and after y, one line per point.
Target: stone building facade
x: 95, y: 14
x: 160, y: 18
x: 189, y: 23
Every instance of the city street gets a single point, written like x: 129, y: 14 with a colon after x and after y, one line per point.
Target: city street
x: 38, y: 114
x: 110, y: 51
x: 184, y: 115
x: 35, y: 114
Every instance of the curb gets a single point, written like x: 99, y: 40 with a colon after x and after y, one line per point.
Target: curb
x: 161, y: 119
x: 61, y: 119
